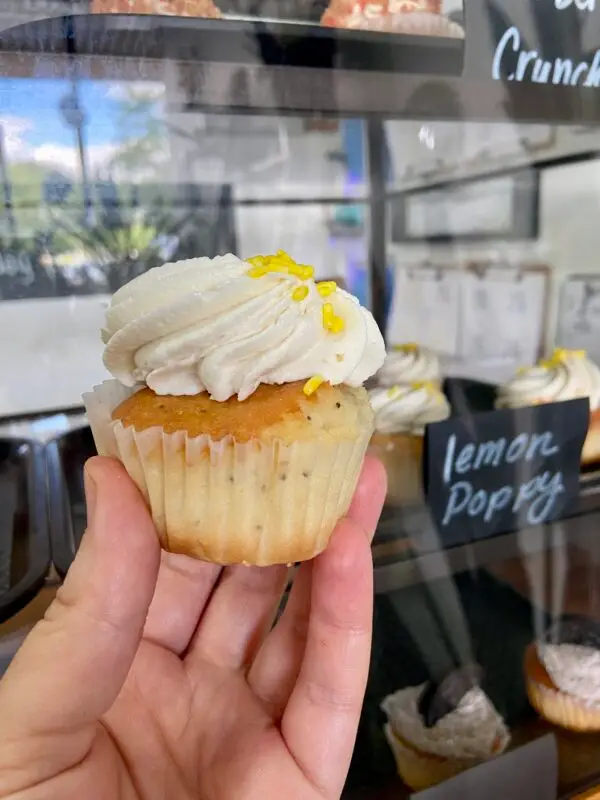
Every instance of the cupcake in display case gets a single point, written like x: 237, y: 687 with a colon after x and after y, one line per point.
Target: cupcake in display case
x: 401, y: 414
x: 562, y: 672
x: 419, y: 17
x: 408, y: 363
x: 438, y: 731
x: 238, y: 406
x: 567, y: 375
x: 180, y: 8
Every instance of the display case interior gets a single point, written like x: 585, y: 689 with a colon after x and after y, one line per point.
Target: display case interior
x: 438, y: 160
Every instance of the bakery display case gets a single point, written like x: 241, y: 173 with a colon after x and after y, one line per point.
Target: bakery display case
x: 439, y: 159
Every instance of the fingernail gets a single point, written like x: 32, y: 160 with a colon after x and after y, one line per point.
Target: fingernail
x: 91, y: 493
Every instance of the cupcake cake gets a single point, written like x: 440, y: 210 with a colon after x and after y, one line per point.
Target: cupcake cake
x: 238, y: 406
x: 401, y: 414
x: 409, y: 363
x: 421, y: 17
x: 437, y: 732
x: 562, y: 672
x: 567, y: 375
x: 179, y: 8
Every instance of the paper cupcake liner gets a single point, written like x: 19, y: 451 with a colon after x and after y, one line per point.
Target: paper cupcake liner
x: 558, y: 707
x: 402, y: 456
x: 231, y: 502
x: 421, y: 770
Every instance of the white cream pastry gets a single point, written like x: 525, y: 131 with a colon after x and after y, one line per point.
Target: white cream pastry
x: 407, y: 409
x: 225, y: 326
x: 473, y: 730
x: 567, y: 375
x: 408, y: 363
x: 574, y: 669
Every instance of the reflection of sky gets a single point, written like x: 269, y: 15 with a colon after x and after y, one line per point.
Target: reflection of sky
x: 38, y: 102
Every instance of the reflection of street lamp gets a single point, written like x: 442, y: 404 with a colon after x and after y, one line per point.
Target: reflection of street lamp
x: 6, y: 187
x: 75, y: 118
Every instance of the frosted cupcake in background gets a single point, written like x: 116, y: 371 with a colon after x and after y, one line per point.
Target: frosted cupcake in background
x: 419, y: 17
x: 401, y: 414
x: 562, y: 671
x: 409, y: 363
x: 238, y: 406
x: 437, y: 732
x: 567, y: 375
x: 179, y: 8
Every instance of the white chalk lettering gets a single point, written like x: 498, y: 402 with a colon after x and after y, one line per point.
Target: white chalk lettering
x: 450, y: 448
x: 490, y: 454
x: 498, y: 500
x: 460, y: 494
x: 541, y: 507
x: 542, y: 444
x: 517, y: 448
x: 465, y: 459
x: 535, y: 499
x: 478, y: 503
x: 511, y: 33
x: 530, y: 65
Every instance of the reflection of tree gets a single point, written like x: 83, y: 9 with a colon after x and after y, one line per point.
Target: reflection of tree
x: 121, y: 251
x: 146, y: 140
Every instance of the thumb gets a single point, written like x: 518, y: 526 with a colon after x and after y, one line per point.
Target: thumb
x: 72, y: 666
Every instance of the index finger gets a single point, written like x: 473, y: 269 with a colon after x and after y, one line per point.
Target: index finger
x: 321, y: 718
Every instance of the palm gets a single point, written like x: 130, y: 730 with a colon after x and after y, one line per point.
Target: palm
x: 213, y: 701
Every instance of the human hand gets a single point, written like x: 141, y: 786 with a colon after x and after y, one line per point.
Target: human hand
x: 154, y: 676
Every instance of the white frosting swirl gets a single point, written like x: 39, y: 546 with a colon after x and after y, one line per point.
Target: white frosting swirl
x: 569, y: 374
x: 401, y: 409
x: 409, y: 363
x: 474, y: 730
x: 206, y: 325
x: 574, y: 668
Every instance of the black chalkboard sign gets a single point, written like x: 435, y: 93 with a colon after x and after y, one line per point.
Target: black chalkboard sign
x: 489, y: 473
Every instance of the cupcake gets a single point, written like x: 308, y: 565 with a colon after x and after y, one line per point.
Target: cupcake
x: 569, y: 374
x: 438, y: 731
x: 409, y: 363
x: 180, y: 8
x: 238, y: 406
x: 562, y: 672
x: 421, y: 17
x: 401, y: 414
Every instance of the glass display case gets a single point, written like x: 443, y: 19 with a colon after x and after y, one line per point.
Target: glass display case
x: 440, y: 159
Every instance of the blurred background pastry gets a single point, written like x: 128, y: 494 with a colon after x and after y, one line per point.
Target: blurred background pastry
x: 408, y: 363
x: 562, y: 671
x: 436, y: 732
x: 567, y: 375
x: 180, y: 8
x: 420, y: 17
x: 401, y: 414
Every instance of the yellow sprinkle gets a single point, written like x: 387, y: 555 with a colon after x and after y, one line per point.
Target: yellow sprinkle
x: 326, y: 288
x: 337, y: 325
x: 522, y: 370
x: 409, y: 347
x: 311, y: 385
x: 328, y: 316
x: 299, y: 293
x: 427, y: 385
x: 280, y: 262
x: 257, y: 271
x: 392, y: 391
